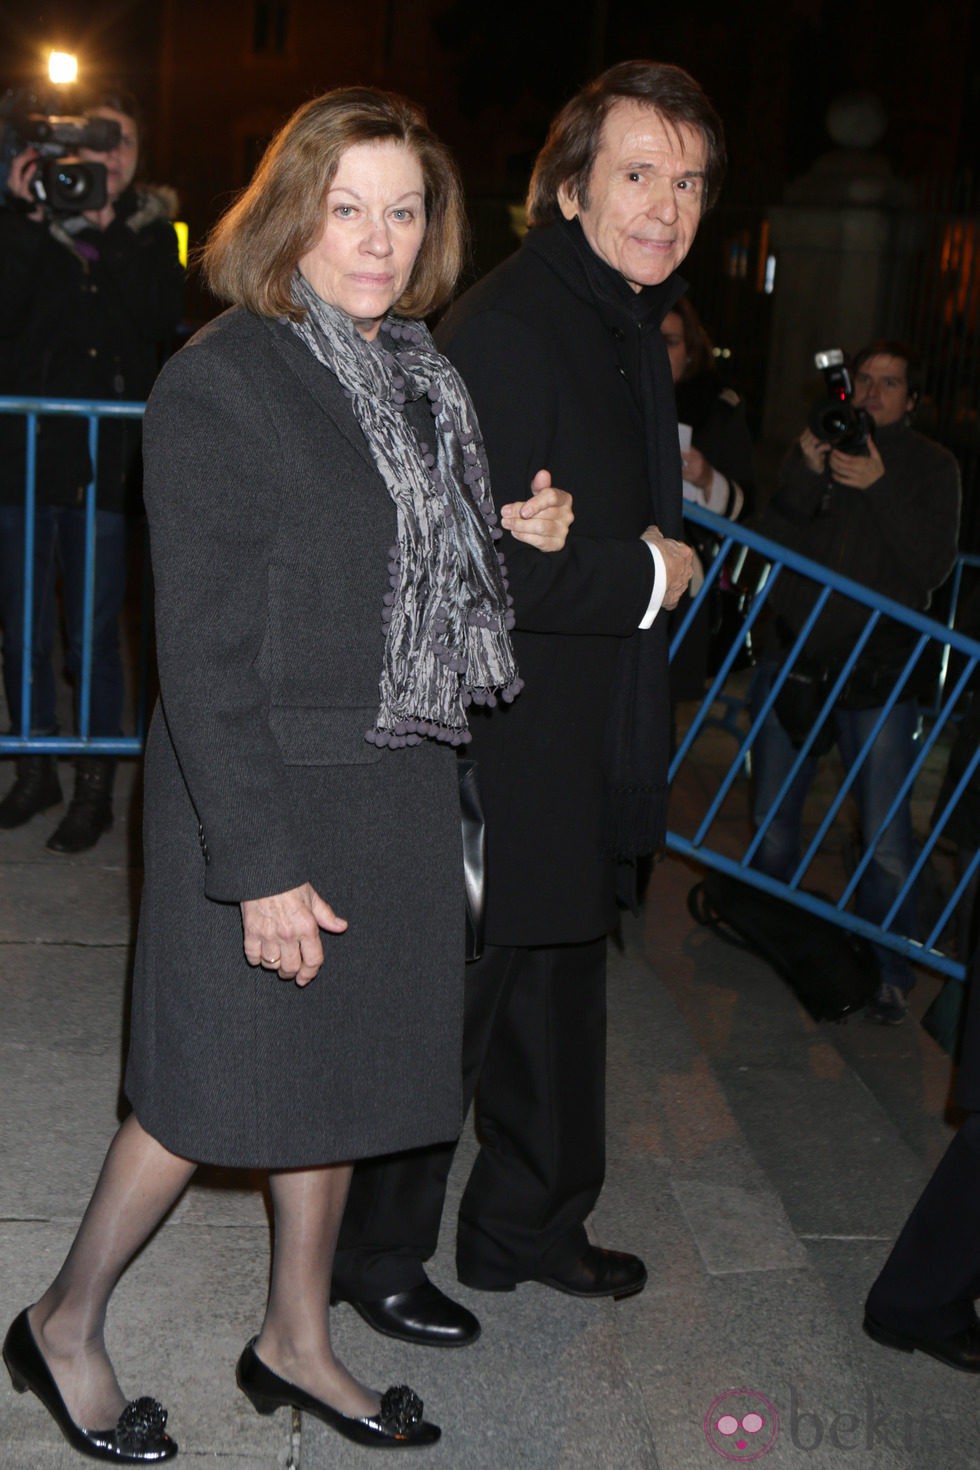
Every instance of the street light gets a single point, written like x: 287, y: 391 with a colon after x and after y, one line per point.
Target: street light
x: 62, y: 67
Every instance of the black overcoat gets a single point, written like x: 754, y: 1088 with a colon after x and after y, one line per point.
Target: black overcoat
x: 270, y: 530
x: 551, y: 370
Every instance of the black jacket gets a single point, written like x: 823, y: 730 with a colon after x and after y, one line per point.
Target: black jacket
x: 898, y: 537
x: 84, y: 313
x: 554, y: 372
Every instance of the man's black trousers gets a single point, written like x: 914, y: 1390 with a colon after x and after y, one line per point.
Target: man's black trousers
x: 534, y: 1051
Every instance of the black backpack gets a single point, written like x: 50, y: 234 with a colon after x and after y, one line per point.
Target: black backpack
x: 832, y: 972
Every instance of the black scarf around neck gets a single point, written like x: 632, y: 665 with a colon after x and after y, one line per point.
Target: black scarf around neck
x: 637, y: 740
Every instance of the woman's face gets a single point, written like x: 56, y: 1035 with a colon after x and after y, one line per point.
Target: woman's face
x: 120, y: 162
x: 672, y: 328
x: 372, y: 230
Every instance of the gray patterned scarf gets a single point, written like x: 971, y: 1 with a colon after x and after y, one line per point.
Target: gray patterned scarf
x: 447, y: 612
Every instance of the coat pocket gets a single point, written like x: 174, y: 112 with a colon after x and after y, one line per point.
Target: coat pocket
x: 315, y: 736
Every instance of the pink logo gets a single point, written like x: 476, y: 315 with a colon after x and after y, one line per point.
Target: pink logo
x: 741, y: 1425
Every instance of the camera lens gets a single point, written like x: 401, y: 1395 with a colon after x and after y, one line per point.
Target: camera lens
x: 834, y: 424
x: 73, y: 184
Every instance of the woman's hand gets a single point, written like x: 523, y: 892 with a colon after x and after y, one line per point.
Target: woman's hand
x: 282, y: 932
x: 542, y: 521
x: 22, y: 170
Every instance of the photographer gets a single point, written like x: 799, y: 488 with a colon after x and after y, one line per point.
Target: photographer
x: 86, y: 301
x: 882, y: 507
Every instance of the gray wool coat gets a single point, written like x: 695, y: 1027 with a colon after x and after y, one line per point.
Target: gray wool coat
x: 270, y: 528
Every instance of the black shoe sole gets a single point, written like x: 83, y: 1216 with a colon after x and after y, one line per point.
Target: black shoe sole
x: 618, y: 1294
x: 902, y: 1342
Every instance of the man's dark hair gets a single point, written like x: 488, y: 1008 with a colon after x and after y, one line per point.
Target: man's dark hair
x: 573, y: 140
x: 892, y: 347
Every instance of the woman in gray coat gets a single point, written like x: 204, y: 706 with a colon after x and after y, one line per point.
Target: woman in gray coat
x: 329, y: 601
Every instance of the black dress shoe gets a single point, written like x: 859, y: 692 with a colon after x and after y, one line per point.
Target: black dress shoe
x: 398, y: 1424
x: 598, y: 1272
x: 138, y: 1437
x: 424, y: 1314
x: 961, y: 1350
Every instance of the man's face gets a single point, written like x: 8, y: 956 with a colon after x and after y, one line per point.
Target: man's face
x: 646, y: 194
x: 881, y: 385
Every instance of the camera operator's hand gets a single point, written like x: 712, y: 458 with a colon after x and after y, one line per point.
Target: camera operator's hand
x: 857, y: 470
x: 697, y: 470
x: 22, y: 169
x: 814, y: 451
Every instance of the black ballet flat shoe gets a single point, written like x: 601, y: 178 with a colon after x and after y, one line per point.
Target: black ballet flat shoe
x: 138, y: 1437
x: 423, y: 1315
x: 397, y: 1425
x: 961, y: 1350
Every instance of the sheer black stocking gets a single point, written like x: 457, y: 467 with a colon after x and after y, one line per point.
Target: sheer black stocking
x: 295, y: 1337
x: 139, y: 1182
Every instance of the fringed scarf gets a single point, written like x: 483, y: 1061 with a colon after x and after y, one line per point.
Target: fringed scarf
x: 448, y: 612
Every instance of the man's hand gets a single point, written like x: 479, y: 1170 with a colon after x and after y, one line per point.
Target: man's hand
x: 282, y: 932
x: 679, y: 562
x: 542, y: 521
x: 857, y: 470
x: 815, y: 451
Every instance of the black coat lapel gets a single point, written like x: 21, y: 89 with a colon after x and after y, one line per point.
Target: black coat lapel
x: 321, y: 384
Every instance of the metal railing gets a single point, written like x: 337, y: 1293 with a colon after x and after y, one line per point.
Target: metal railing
x: 698, y: 842
x: 22, y: 741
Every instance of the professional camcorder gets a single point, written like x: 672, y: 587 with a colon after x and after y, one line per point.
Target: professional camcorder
x: 61, y: 183
x: 835, y: 420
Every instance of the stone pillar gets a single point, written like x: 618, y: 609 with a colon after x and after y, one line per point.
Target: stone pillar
x: 843, y: 240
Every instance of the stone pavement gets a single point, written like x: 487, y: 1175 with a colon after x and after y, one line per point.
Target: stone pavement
x: 760, y: 1163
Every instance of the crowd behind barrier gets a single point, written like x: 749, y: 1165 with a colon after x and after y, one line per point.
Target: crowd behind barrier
x: 751, y: 564
x: 746, y: 567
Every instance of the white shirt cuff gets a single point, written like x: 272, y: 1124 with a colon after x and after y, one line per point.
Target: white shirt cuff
x: 659, y: 585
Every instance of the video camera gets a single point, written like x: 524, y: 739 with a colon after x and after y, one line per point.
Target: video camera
x: 835, y: 420
x: 62, y: 184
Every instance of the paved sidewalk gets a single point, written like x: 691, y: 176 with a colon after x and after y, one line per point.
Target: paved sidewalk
x: 760, y: 1163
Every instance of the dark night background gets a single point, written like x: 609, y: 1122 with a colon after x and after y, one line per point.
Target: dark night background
x: 217, y: 78
x: 771, y: 68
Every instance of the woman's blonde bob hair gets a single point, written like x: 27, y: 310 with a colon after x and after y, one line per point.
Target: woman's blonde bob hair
x: 253, y: 250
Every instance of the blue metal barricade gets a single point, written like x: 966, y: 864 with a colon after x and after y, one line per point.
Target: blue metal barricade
x: 21, y: 741
x: 699, y: 840
x: 736, y: 546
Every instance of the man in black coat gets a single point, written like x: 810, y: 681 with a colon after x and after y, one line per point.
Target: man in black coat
x: 562, y: 350
x: 87, y: 302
